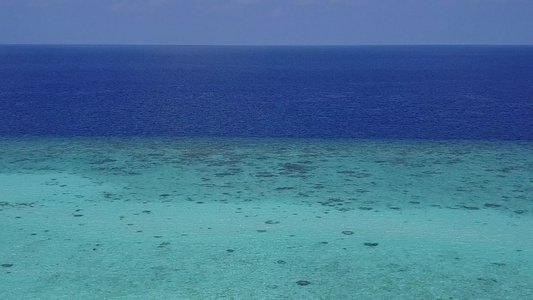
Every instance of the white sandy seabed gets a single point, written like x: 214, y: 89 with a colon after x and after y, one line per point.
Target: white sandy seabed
x: 265, y: 219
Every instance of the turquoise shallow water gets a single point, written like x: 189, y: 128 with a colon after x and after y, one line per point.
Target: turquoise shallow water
x: 185, y: 218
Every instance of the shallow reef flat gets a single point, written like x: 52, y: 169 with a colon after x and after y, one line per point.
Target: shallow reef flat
x: 221, y: 218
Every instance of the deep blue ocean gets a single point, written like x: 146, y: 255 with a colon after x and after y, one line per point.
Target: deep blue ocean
x: 377, y: 92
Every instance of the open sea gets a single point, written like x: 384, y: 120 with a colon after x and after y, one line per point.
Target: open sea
x: 251, y: 172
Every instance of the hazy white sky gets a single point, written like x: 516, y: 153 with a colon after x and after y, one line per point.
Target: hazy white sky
x: 266, y: 22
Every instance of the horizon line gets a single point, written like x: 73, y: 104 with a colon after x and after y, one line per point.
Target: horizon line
x: 254, y: 45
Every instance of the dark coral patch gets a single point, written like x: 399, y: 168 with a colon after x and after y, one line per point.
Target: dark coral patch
x: 303, y: 282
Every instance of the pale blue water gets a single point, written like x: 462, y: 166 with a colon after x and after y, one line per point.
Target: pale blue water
x: 266, y: 173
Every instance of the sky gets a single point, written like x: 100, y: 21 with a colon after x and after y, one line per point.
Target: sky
x: 267, y: 22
